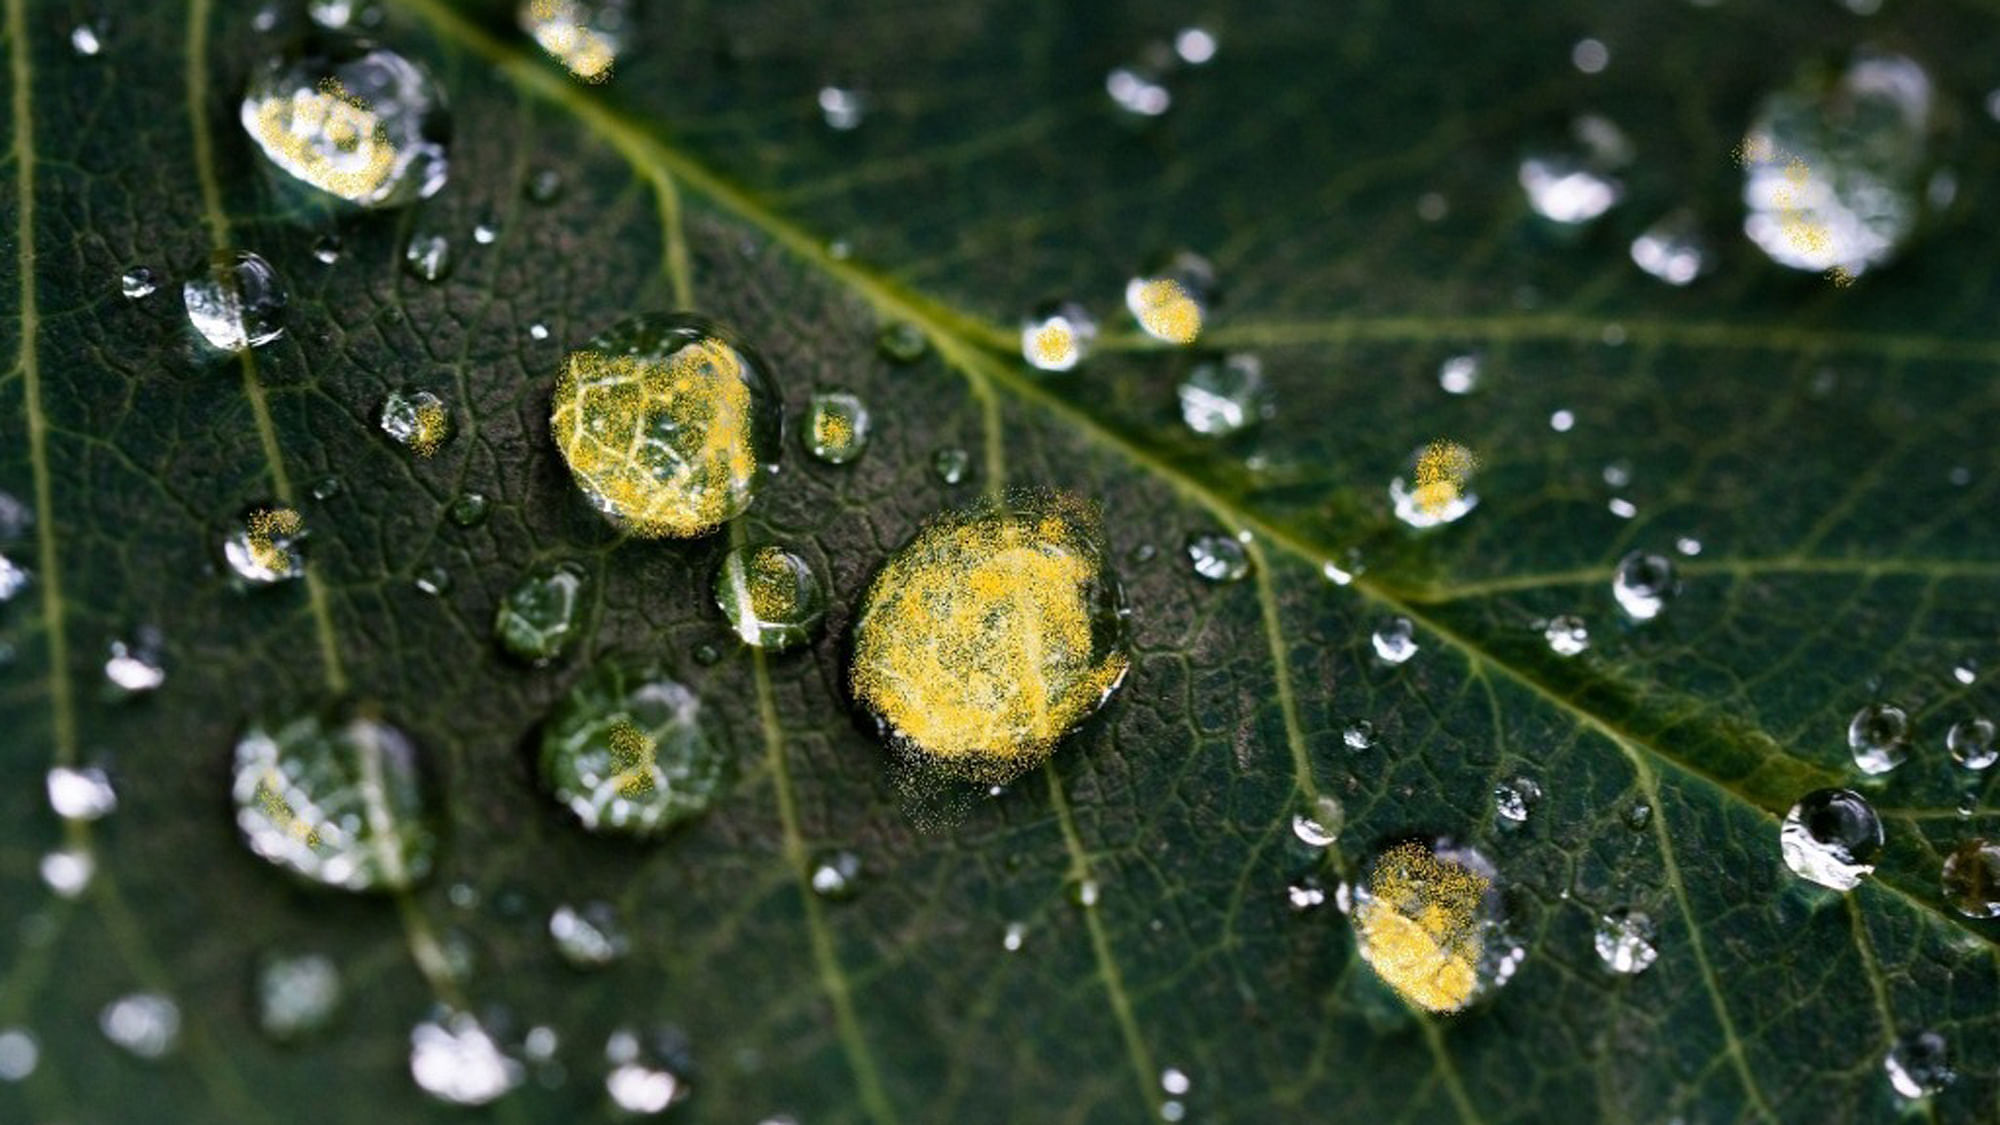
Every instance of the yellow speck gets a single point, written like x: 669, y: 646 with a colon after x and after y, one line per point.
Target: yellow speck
x: 1443, y: 468
x: 632, y: 752
x: 1419, y: 927
x: 268, y: 533
x: 1166, y: 310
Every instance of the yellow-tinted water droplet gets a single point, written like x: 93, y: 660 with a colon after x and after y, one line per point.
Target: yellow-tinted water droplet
x: 1423, y: 922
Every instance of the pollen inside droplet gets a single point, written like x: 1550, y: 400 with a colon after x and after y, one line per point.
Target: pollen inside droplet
x: 1442, y: 470
x: 1421, y: 926
x: 1166, y: 309
x: 360, y: 123
x: 584, y: 35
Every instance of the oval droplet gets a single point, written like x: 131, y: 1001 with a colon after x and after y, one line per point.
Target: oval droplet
x: 1972, y: 878
x: 626, y: 751
x: 1225, y: 396
x: 1171, y: 300
x: 468, y: 509
x: 837, y: 425
x: 1624, y: 942
x: 1395, y: 640
x: 428, y: 257
x: 1461, y: 374
x: 538, y: 618
x: 585, y: 36
x: 1918, y: 1064
x: 238, y: 304
x: 1514, y: 800
x: 137, y: 282
x: 1567, y: 635
x: 354, y: 121
x: 1879, y: 737
x: 1057, y: 336
x: 1427, y: 921
x: 1672, y: 249
x: 951, y: 464
x: 1218, y: 558
x: 1831, y: 837
x: 1319, y: 826
x: 416, y: 420
x: 1442, y: 493
x: 1642, y: 584
x: 770, y: 596
x: 902, y: 341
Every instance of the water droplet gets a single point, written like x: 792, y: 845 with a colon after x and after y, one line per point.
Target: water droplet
x: 454, y: 1060
x: 590, y: 938
x: 336, y: 801
x: 13, y: 579
x: 1195, y: 45
x: 1174, y: 1081
x: 837, y: 425
x: 538, y: 618
x: 325, y: 488
x: 268, y: 546
x: 901, y: 341
x: 951, y: 464
x: 147, y: 1024
x: 1443, y: 492
x: 1218, y: 557
x: 1014, y: 937
x: 837, y: 875
x: 538, y: 331
x: 1085, y: 893
x: 1304, y: 895
x: 1395, y: 640
x: 1566, y: 189
x: 1972, y: 879
x: 1622, y: 508
x: 19, y: 1053
x: 84, y: 40
x: 416, y: 420
x: 467, y: 509
x: 1639, y: 816
x: 1562, y: 421
x: 336, y: 15
x: 706, y: 655
x: 355, y: 121
x: 134, y: 666
x: 842, y: 108
x: 428, y: 257
x: 1642, y: 585
x: 1831, y: 837
x: 238, y: 304
x: 1625, y: 942
x: 1224, y: 396
x: 638, y: 1082
x: 1359, y: 735
x: 485, y: 234
x: 1672, y: 249
x: 1918, y: 1065
x: 770, y: 596
x: 1057, y: 335
x: 80, y: 794
x: 1833, y: 171
x: 1459, y: 375
x: 1971, y: 743
x: 1590, y: 56
x: 1171, y: 300
x: 1428, y: 923
x: 585, y: 36
x: 1567, y: 635
x: 1320, y: 826
x: 991, y: 634
x: 665, y: 422
x: 1138, y: 91
x: 137, y: 282
x: 67, y: 871
x: 543, y: 185
x: 1879, y: 737
x: 1513, y: 800
x: 297, y: 996
x: 432, y: 580
x: 627, y: 752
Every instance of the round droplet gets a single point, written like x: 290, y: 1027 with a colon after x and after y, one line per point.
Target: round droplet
x: 1225, y: 396
x: 991, y: 634
x: 1879, y: 737
x: 585, y: 36
x: 1672, y: 249
x: 1359, y: 735
x: 19, y: 1054
x: 665, y: 423
x: 337, y: 801
x: 1971, y: 743
x: 1972, y: 879
x: 1218, y: 558
x: 238, y: 304
x: 951, y: 464
x: 1442, y: 492
x: 538, y: 619
x: 1171, y: 301
x: 1057, y: 336
x: 1918, y: 1064
x: 645, y: 1078
x: 1831, y: 837
x: 1567, y: 635
x: 1514, y: 800
x: 467, y: 509
x: 1460, y: 374
x: 416, y: 420
x: 455, y: 1060
x: 427, y: 257
x: 296, y: 996
x: 837, y: 425
x: 1395, y: 640
x: 626, y: 752
x: 80, y: 794
x: 1427, y: 921
x: 147, y: 1024
x: 837, y: 875
x: 357, y: 122
x: 771, y: 597
x: 267, y: 546
x: 1567, y: 189
x: 137, y: 282
x: 1638, y: 817
x: 842, y: 108
x: 902, y: 341
x: 1642, y: 584
x: 1320, y: 825
x: 590, y: 938
x: 1625, y: 942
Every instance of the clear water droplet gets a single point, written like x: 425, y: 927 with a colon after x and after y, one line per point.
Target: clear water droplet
x: 1918, y: 1065
x: 134, y: 666
x: 13, y: 579
x: 1171, y: 300
x: 1590, y: 56
x: 1359, y: 735
x: 1639, y: 816
x: 238, y: 304
x: 325, y: 488
x: 1688, y: 546
x: 1566, y: 189
x: 1562, y: 421
x: 1567, y: 635
x: 147, y: 1024
x: 842, y: 108
x: 1514, y: 800
x: 1195, y: 45
x: 485, y: 234
x: 539, y: 617
x: 467, y: 509
x: 428, y: 257
x: 902, y: 342
x: 1057, y: 335
x: 540, y: 1043
x: 267, y: 546
x: 1643, y: 584
x: 585, y: 36
x: 1965, y: 672
x: 1304, y: 895
x: 665, y: 423
x: 771, y: 597
x: 67, y: 871
x: 1225, y: 396
x: 432, y: 580
x: 1879, y: 737
x: 1625, y: 942
x: 1319, y: 826
x: 590, y: 938
x: 455, y: 1060
x: 1395, y: 640
x: 641, y: 1081
x: 1138, y: 90
x: 355, y: 122
x: 1428, y: 922
x: 1085, y: 893
x: 1218, y: 558
x: 1015, y: 936
x: 538, y: 331
x: 543, y: 185
x: 337, y: 15
x: 837, y: 875
x: 1673, y: 249
x: 951, y: 464
x: 137, y: 282
x: 1622, y: 508
x: 627, y: 751
x: 1442, y: 492
x: 418, y: 421
x: 339, y: 801
x: 1972, y: 879
x: 80, y: 794
x: 706, y: 655
x: 1971, y: 743
x: 298, y: 996
x: 837, y: 426
x: 85, y: 41
x: 1460, y: 374
x: 326, y: 249
x: 19, y: 1054
x: 1175, y: 1081
x: 1831, y: 837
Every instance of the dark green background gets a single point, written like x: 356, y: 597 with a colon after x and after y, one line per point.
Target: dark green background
x: 1805, y: 434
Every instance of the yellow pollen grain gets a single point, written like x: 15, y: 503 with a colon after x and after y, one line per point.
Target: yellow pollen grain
x: 1419, y: 927
x: 267, y: 534
x: 298, y: 131
x: 1443, y: 468
x: 1168, y: 311
x: 632, y: 755
x: 773, y: 585
x: 433, y: 425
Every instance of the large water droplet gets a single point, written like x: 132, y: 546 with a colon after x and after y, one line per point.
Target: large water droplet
x: 1918, y: 1064
x: 1395, y: 640
x: 238, y: 304
x: 770, y: 596
x: 339, y: 801
x: 1057, y: 335
x: 1624, y: 942
x: 590, y: 938
x: 1427, y: 920
x: 538, y: 618
x: 80, y: 794
x: 1879, y: 737
x: 19, y: 1054
x: 1442, y: 493
x: 837, y: 425
x: 137, y: 282
x: 665, y: 422
x: 991, y: 634
x: 455, y: 1060
x: 1672, y: 249
x: 355, y: 121
x: 1171, y: 300
x: 585, y: 36
x: 416, y: 420
x: 1567, y: 635
x: 268, y: 546
x: 1831, y: 837
x: 1972, y: 878
x: 428, y: 256
x: 1971, y: 743
x: 626, y: 752
x: 1226, y: 395
x: 147, y: 1024
x: 1218, y: 557
x: 297, y: 996
x: 1642, y: 584
x: 1319, y: 826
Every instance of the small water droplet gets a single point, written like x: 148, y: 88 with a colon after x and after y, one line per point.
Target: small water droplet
x: 1218, y: 557
x: 1622, y: 508
x: 1442, y: 492
x: 1673, y: 249
x: 1225, y: 396
x: 1971, y: 742
x: 590, y: 938
x: 1428, y: 923
x: 1175, y: 1081
x: 238, y: 304
x: 706, y: 655
x: 1137, y: 90
x: 585, y: 36
x: 1567, y: 635
x: 1085, y: 893
x: 467, y: 509
x: 544, y: 185
x: 1639, y: 816
x: 416, y: 420
x: 148, y: 1024
x: 538, y: 331
x: 770, y: 596
x: 428, y: 257
x: 67, y: 871
x: 1320, y: 825
x: 951, y: 464
x: 1395, y: 640
x: 80, y: 794
x: 297, y: 996
x: 1195, y: 45
x: 1304, y: 895
x: 640, y: 1082
x: 13, y: 579
x: 325, y: 488
x: 1590, y: 56
x: 1359, y: 735
x: 134, y: 666
x: 1879, y: 737
x: 432, y: 580
x: 837, y: 875
x: 1918, y: 1065
x: 1171, y: 300
x: 485, y: 234
x: 842, y: 108
x: 1643, y: 584
x: 1460, y: 374
x: 1057, y: 335
x: 137, y: 282
x: 837, y: 426
x: 1562, y: 421
x: 19, y: 1054
x: 1567, y: 189
x: 540, y: 1043
x: 1513, y: 800
x: 1625, y: 940
x: 355, y: 122
x: 337, y: 15
x: 1972, y: 879
x: 627, y: 752
x: 902, y: 342
x: 1831, y: 837
x: 454, y: 1060
x: 538, y: 618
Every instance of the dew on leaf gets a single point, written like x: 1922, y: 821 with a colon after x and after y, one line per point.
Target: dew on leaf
x: 416, y: 420
x: 1514, y: 800
x: 1015, y: 936
x: 901, y: 341
x: 1442, y: 492
x: 1567, y: 635
x: 1879, y: 737
x: 1171, y: 300
x: 134, y: 666
x: 146, y: 1024
x: 13, y: 579
x: 665, y: 423
x: 297, y: 996
x: 1223, y: 396
x: 585, y: 36
x: 1562, y: 421
x: 842, y: 108
x: 1218, y: 558
x: 356, y: 122
x: 1918, y: 1065
x: 19, y: 1054
x: 1639, y: 816
x: 1622, y: 508
x: 543, y: 185
x: 837, y: 426
x: 428, y: 256
x: 239, y: 303
x: 627, y: 751
x: 1566, y: 189
x: 1460, y: 374
x: 267, y: 546
x: 137, y: 282
x: 1971, y: 878
x: 485, y: 234
x: 1625, y: 942
x: 538, y: 331
x: 539, y: 616
x: 335, y: 800
x: 325, y: 488
x: 1971, y: 743
x: 1831, y: 837
x: 455, y: 1060
x: 84, y: 40
x: 1672, y: 249
x: 467, y: 509
x: 1195, y: 45
x: 1590, y: 56
x: 588, y: 938
x: 770, y: 596
x: 80, y: 794
x: 67, y: 871
x: 836, y: 875
x: 1642, y: 584
x: 1057, y: 335
x: 1305, y: 895
x: 1427, y: 922
x: 1320, y: 824
x: 640, y: 1081
x: 1085, y: 893
x: 1395, y: 640
x: 1175, y: 1081
x: 951, y: 464
x: 1138, y: 91
x: 432, y: 580
x: 1359, y: 735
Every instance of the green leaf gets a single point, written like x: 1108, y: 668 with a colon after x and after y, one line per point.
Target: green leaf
x: 1831, y: 449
